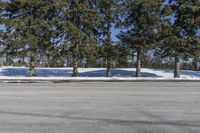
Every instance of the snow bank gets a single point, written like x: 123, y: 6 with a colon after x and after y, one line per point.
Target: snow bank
x: 94, y: 73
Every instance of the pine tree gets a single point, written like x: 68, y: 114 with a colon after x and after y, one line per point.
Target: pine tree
x: 140, y: 19
x: 1, y: 48
x: 26, y: 22
x: 1, y: 35
x: 107, y: 12
x: 78, y: 26
x: 179, y: 36
x: 7, y: 41
x: 191, y: 22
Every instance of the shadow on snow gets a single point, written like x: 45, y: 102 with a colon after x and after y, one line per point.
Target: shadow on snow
x: 115, y: 73
x: 67, y: 73
x: 39, y: 72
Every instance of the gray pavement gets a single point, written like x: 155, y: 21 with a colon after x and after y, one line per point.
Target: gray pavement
x: 100, y: 107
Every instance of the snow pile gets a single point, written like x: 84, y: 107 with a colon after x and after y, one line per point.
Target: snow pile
x: 91, y: 73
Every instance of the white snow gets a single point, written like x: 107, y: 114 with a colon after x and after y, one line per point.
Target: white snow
x: 93, y: 74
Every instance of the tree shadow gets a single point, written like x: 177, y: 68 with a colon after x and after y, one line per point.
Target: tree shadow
x: 39, y: 72
x: 115, y: 73
x: 191, y: 73
x: 53, y: 72
x: 15, y: 72
x: 45, y: 72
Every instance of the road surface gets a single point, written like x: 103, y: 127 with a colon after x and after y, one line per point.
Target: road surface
x: 100, y: 107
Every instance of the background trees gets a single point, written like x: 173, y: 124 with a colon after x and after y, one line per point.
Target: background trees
x: 77, y: 33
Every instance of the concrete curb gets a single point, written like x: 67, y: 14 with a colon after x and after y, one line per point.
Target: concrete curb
x: 89, y: 79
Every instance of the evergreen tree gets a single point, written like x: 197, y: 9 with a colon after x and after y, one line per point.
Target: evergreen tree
x: 140, y: 19
x: 1, y: 48
x: 122, y: 53
x: 179, y: 36
x: 78, y: 25
x: 26, y: 22
x: 191, y: 22
x: 1, y: 35
x: 107, y: 12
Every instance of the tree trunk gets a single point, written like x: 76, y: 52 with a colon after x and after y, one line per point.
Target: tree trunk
x: 177, y: 67
x: 43, y: 64
x: 75, y: 61
x: 75, y: 68
x: 2, y: 60
x: 48, y: 61
x: 101, y: 63
x: 195, y: 64
x: 138, y: 65
x: 21, y: 62
x: 8, y: 62
x: 109, y: 68
x: 32, y: 65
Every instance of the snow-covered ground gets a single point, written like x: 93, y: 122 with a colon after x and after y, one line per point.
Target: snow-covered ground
x: 94, y: 73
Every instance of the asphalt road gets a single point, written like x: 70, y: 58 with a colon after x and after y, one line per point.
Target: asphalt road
x: 102, y: 107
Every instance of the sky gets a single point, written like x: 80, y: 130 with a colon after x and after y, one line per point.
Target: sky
x: 115, y: 32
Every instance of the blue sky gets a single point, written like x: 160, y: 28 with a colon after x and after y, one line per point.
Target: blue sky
x: 114, y: 33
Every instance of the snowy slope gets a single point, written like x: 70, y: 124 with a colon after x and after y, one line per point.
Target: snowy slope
x: 95, y: 72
